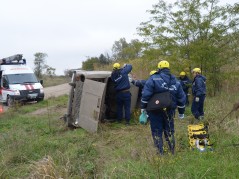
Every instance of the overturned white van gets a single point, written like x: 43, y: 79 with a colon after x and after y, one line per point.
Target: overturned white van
x: 18, y: 82
x: 92, y: 99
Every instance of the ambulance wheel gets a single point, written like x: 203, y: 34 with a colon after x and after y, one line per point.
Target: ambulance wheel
x: 10, y: 101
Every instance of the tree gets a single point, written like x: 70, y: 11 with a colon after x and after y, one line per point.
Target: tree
x: 122, y: 50
x: 39, y: 63
x: 50, y: 71
x: 89, y: 63
x: 104, y: 60
x: 193, y: 30
x: 68, y: 72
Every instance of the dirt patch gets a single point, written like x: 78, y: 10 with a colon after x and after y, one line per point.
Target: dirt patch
x: 52, y: 109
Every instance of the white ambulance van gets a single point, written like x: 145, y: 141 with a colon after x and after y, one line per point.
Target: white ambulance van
x: 18, y: 82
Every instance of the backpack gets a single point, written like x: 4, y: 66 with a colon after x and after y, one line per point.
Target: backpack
x: 160, y: 100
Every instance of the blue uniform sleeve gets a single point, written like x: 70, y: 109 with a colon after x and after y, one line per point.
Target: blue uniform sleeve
x: 139, y: 83
x: 181, y: 99
x: 147, y: 93
x: 127, y: 69
x: 198, y: 86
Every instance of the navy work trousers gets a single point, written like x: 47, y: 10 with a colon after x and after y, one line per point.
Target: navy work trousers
x: 187, y: 101
x: 123, y: 100
x: 162, y: 122
x: 197, y: 107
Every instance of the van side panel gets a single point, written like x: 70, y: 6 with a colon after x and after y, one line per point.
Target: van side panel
x: 91, y: 101
x: 134, y: 90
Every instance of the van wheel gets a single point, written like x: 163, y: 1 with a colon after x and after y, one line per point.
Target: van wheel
x: 10, y: 101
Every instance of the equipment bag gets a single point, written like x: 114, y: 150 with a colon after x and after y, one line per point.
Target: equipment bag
x: 160, y: 101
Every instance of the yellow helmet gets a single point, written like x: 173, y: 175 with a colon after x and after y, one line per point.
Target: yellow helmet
x: 116, y: 66
x: 163, y: 64
x: 152, y: 72
x: 182, y: 73
x: 197, y: 70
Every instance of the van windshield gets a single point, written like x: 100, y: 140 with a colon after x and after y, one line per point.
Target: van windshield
x: 21, y: 78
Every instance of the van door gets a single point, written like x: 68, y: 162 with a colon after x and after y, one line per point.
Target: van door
x: 90, y: 107
x: 5, y: 89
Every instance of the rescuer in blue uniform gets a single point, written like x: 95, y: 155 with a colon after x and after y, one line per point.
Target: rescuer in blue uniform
x: 140, y: 83
x: 162, y: 120
x: 122, y: 85
x: 199, y: 94
x: 186, y: 83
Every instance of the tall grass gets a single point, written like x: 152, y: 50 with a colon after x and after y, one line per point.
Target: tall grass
x: 34, y: 145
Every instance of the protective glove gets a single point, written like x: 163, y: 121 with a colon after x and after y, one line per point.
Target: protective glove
x: 197, y: 99
x: 143, y: 110
x: 124, y: 65
x: 181, y: 116
x: 130, y: 80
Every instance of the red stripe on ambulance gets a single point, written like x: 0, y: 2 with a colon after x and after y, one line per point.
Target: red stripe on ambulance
x: 27, y: 87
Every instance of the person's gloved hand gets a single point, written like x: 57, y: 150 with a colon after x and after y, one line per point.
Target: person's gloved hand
x: 197, y: 99
x: 130, y: 79
x: 181, y: 116
x: 143, y: 110
x: 124, y: 65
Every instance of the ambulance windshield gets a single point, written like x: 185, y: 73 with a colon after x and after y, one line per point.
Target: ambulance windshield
x: 21, y: 78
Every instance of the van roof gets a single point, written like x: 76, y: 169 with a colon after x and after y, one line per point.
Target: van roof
x: 93, y: 74
x: 15, y: 69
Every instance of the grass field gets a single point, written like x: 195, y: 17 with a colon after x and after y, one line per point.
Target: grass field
x: 55, y: 80
x: 34, y: 143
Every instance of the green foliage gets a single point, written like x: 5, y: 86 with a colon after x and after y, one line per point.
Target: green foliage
x: 122, y: 50
x: 54, y: 80
x: 39, y: 63
x: 93, y: 63
x: 199, y: 31
x: 89, y: 63
x: 41, y: 68
x: 116, y: 151
x: 50, y: 71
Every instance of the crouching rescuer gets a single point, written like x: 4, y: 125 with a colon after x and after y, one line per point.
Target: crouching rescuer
x: 122, y: 86
x: 161, y: 95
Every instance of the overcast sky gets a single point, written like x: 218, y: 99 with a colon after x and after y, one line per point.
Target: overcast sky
x: 69, y: 31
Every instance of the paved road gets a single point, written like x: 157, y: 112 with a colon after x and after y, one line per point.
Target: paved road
x: 53, y: 91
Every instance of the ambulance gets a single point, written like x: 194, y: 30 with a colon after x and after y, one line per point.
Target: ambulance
x: 18, y: 81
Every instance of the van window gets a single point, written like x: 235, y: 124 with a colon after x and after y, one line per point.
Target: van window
x: 5, y: 82
x: 21, y: 78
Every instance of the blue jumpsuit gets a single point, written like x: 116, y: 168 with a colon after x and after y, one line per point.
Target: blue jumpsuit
x: 185, y: 82
x: 123, y: 96
x: 199, y: 91
x: 162, y: 120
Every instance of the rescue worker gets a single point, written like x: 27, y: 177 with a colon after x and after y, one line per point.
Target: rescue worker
x: 162, y: 120
x: 199, y: 94
x: 186, y: 83
x: 140, y: 84
x: 122, y: 85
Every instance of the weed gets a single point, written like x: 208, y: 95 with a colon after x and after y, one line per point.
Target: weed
x: 35, y: 143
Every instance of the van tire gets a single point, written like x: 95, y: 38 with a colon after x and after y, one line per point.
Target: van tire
x: 10, y: 101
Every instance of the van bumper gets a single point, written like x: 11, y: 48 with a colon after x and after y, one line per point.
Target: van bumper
x: 29, y: 97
